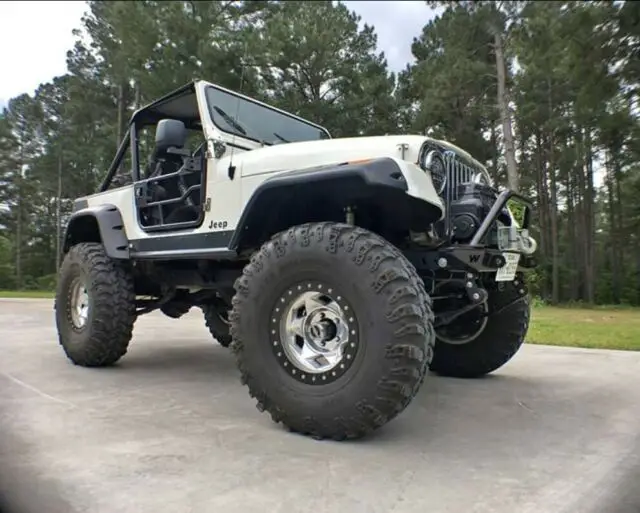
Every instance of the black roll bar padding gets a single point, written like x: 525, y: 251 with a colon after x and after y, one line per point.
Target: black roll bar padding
x: 495, y: 212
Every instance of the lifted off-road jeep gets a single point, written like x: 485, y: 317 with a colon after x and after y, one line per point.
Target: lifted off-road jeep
x: 339, y: 270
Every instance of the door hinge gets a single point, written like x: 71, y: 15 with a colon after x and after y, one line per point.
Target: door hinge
x: 207, y: 205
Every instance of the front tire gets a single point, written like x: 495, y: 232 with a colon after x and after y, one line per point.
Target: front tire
x: 501, y: 338
x: 95, y: 306
x: 332, y: 330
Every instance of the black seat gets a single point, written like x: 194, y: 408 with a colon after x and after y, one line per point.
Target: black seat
x: 169, y: 157
x: 170, y: 135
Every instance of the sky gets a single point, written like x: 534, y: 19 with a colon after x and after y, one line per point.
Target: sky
x: 28, y: 61
x: 34, y: 39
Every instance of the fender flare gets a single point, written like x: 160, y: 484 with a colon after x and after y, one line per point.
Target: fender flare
x: 102, y: 223
x: 379, y: 176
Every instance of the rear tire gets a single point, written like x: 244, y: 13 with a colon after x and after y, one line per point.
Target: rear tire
x: 500, y: 340
x: 217, y: 321
x: 95, y: 306
x: 365, y: 364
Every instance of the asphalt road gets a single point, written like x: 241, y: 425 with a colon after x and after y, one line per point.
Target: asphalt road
x: 171, y: 429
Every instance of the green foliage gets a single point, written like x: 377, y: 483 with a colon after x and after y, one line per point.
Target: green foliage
x: 7, y: 271
x: 329, y: 72
x: 46, y: 282
x: 453, y: 81
x: 573, y: 80
x: 517, y: 210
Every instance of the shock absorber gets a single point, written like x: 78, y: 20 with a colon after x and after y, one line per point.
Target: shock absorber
x: 351, y: 216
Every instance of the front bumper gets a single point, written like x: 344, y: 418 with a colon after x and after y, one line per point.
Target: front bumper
x: 514, y: 252
x: 510, y: 238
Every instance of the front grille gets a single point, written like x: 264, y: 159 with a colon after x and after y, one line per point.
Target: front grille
x: 457, y: 173
x: 458, y: 170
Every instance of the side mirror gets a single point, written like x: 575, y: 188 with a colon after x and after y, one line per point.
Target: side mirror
x: 170, y: 133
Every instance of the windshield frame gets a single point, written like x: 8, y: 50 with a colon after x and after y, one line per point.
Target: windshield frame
x: 236, y: 133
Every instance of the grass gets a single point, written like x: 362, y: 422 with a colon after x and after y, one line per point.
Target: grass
x: 32, y: 294
x: 576, y: 326
x: 598, y: 328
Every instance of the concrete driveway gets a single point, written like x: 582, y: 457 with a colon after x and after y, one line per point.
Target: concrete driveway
x: 171, y: 429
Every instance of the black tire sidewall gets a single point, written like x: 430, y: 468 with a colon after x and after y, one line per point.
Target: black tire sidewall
x: 313, y: 263
x: 111, y: 293
x: 498, y: 343
x: 74, y: 266
x: 217, y: 328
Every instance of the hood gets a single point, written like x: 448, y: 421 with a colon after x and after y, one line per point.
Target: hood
x: 282, y: 157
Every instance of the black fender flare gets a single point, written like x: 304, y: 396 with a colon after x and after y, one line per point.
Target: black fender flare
x: 102, y: 223
x: 380, y: 177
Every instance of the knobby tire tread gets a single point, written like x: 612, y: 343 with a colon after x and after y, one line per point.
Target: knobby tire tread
x: 113, y: 307
x: 409, y: 310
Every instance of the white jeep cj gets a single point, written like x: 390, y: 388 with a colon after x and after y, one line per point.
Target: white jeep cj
x: 339, y: 270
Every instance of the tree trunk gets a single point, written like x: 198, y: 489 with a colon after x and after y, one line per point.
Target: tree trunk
x: 553, y: 211
x: 589, y: 243
x: 138, y: 95
x: 121, y: 113
x: 572, y: 256
x: 553, y: 207
x: 543, y: 199
x: 494, y: 157
x: 580, y: 221
x: 19, y: 240
x: 637, y: 268
x: 615, y: 271
x: 620, y: 246
x: 58, y: 209
x: 19, y: 220
x: 505, y: 114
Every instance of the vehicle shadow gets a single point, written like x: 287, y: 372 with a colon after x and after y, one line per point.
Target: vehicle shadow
x: 499, y: 408
x: 503, y: 402
x: 200, y: 359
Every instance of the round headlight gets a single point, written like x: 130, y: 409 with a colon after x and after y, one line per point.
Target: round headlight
x: 433, y: 162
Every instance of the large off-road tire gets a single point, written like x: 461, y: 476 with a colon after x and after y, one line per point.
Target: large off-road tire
x: 217, y: 322
x: 356, y: 292
x: 95, y: 306
x: 500, y: 340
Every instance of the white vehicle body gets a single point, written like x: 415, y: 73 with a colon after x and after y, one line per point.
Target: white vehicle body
x: 338, y: 270
x: 255, y: 163
x: 230, y: 197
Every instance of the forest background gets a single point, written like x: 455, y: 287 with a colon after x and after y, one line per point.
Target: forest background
x: 571, y: 77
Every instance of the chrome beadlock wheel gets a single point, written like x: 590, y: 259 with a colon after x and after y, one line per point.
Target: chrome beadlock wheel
x: 78, y: 304
x: 314, y: 333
